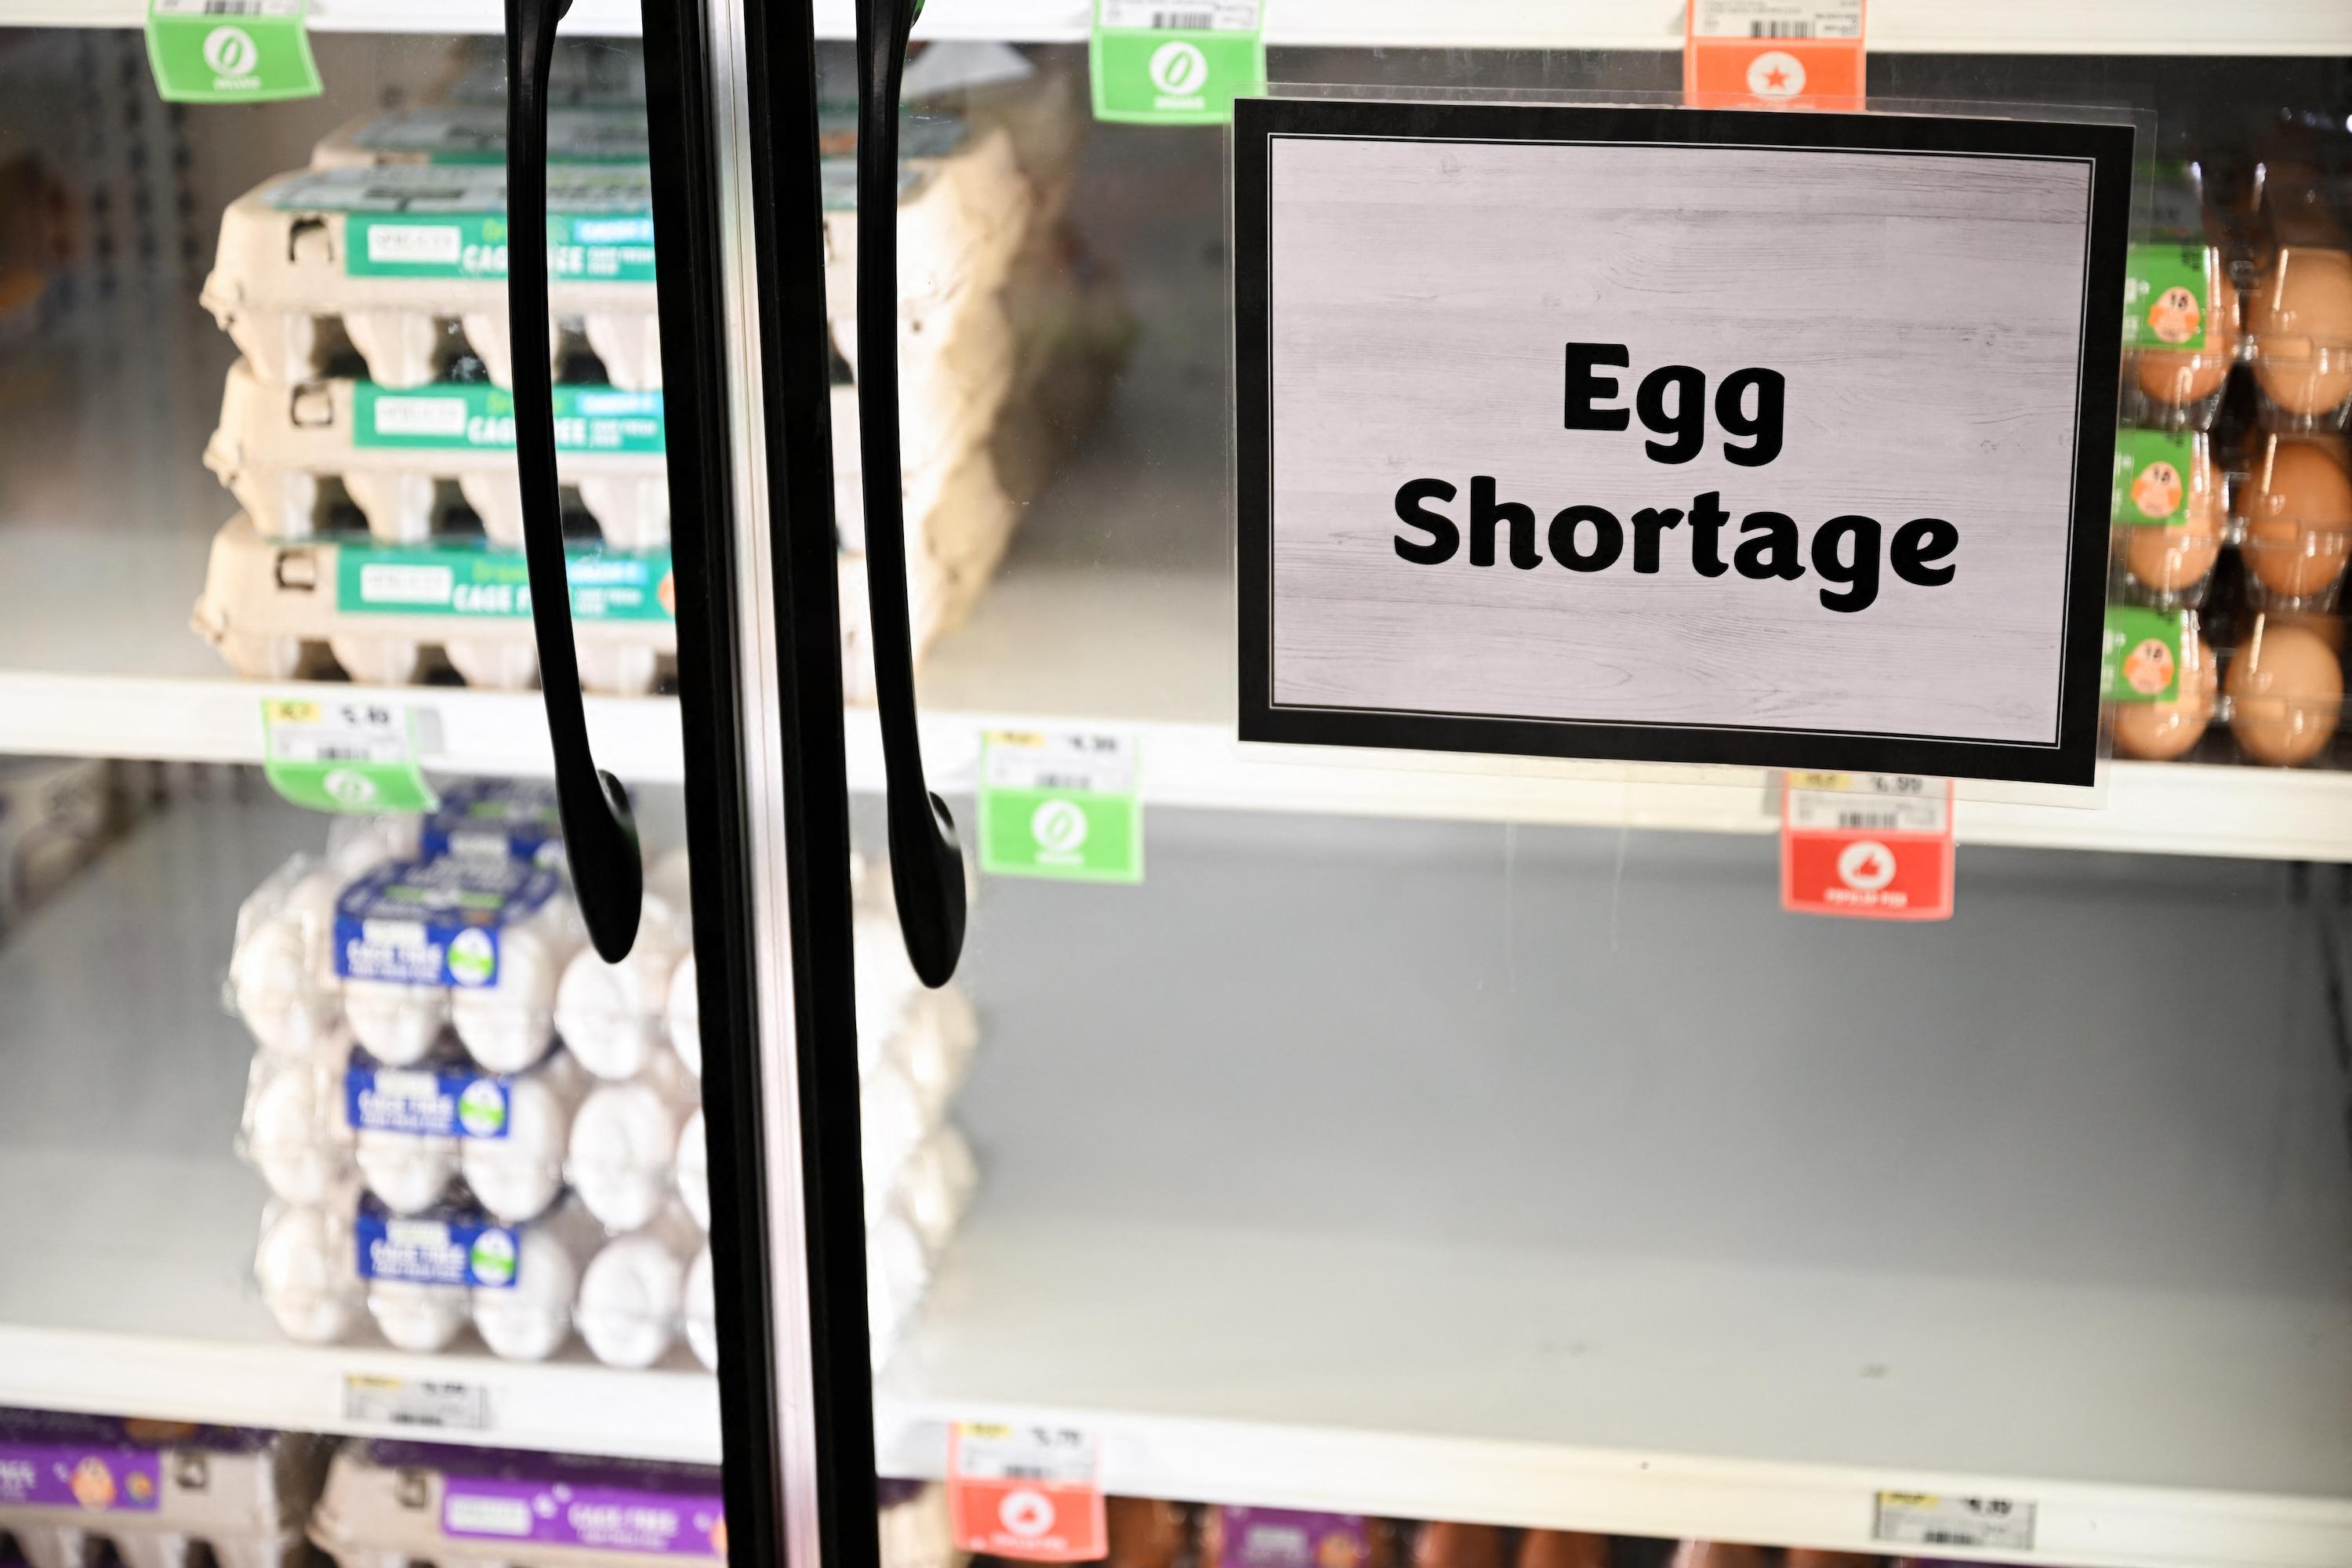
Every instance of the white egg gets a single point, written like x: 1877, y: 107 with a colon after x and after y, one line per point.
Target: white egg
x: 518, y: 1175
x: 272, y: 980
x: 702, y: 1310
x: 890, y: 1123
x: 670, y: 879
x: 694, y: 1171
x: 611, y: 1015
x: 295, y: 1134
x: 358, y: 845
x: 408, y: 1171
x: 417, y: 1317
x: 529, y: 1320
x: 624, y: 1146
x: 509, y: 1023
x: 896, y: 1274
x: 397, y: 1023
x: 885, y: 982
x: 937, y: 1187
x: 308, y: 1272
x: 630, y: 1300
x: 686, y: 1016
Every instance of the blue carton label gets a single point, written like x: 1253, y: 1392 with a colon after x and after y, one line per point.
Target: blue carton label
x: 454, y: 1248
x: 511, y: 819
x: 435, y: 923
x: 428, y: 1102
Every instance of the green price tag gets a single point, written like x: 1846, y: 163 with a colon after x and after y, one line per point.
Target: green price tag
x: 1175, y: 62
x: 343, y: 754
x: 251, y: 51
x: 1062, y: 804
x: 2154, y: 469
x: 2139, y: 657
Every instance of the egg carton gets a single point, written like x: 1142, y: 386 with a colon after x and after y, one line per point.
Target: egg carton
x: 2284, y: 506
x: 2276, y: 692
x: 476, y: 133
x: 389, y: 1504
x: 406, y: 266
x: 160, y: 1494
x: 402, y: 457
x: 2182, y: 334
x: 330, y: 1272
x: 389, y: 614
x: 2298, y: 313
x: 442, y: 1130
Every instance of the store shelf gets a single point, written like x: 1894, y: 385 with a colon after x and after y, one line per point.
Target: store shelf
x: 1552, y: 1178
x: 1980, y: 26
x: 129, y: 1223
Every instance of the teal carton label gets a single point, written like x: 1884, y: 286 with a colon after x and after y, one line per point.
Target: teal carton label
x: 479, y: 417
x: 476, y: 582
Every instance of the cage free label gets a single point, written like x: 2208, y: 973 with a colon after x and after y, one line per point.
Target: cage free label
x: 1060, y: 804
x: 1175, y: 62
x: 1676, y: 435
x: 230, y: 51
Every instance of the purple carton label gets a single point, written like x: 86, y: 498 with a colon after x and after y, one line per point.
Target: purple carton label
x: 1292, y: 1538
x: 561, y: 1514
x: 95, y: 1480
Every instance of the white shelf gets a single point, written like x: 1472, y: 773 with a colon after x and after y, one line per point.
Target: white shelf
x: 1896, y: 27
x: 130, y: 1224
x: 1548, y: 1179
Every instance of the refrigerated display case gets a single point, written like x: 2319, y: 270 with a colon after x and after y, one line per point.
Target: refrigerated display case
x: 1381, y: 1153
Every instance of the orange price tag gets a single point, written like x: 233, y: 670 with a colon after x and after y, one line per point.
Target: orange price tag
x: 1773, y: 51
x: 1028, y: 1492
x: 1873, y: 846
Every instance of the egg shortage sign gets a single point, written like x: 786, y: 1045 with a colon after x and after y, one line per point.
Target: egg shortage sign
x: 1681, y: 436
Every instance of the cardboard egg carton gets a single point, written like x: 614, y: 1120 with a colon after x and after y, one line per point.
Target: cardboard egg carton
x: 401, y: 456
x: 386, y: 614
x: 160, y: 1494
x: 407, y: 267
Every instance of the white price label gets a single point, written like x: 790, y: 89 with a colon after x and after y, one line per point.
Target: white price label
x: 338, y: 731
x: 1776, y: 18
x: 1182, y: 15
x: 434, y: 1404
x: 1043, y: 1456
x: 1076, y: 760
x: 1922, y: 1519
x: 1868, y: 802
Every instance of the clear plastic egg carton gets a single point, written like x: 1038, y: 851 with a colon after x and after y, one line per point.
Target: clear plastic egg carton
x: 2182, y: 334
x: 402, y: 457
x: 2282, y: 505
x: 161, y: 1494
x: 406, y: 266
x: 2298, y: 307
x: 2292, y: 505
x: 2262, y: 689
x: 389, y: 1504
x: 393, y: 615
x: 476, y: 133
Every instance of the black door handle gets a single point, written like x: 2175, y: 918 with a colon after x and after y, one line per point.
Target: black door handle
x: 600, y: 833
x: 925, y: 862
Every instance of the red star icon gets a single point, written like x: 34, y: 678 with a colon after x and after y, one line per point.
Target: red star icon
x: 1775, y: 77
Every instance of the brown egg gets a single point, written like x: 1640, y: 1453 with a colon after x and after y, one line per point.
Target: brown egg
x: 2298, y: 512
x: 1717, y: 1554
x: 1458, y: 1546
x: 2328, y: 629
x: 1145, y: 1532
x: 1563, y: 1549
x: 1805, y: 1557
x: 2171, y: 559
x: 2301, y: 317
x: 2171, y: 378
x: 2159, y: 732
x: 2286, y: 692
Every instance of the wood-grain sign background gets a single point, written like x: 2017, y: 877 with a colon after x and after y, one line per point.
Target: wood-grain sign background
x: 1931, y: 313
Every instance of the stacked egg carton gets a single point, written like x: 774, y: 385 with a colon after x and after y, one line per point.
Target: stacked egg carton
x: 391, y: 1504
x: 369, y: 429
x: 465, y: 1115
x: 2232, y: 494
x: 158, y: 1494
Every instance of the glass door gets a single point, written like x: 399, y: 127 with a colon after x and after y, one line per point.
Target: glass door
x: 1356, y: 1153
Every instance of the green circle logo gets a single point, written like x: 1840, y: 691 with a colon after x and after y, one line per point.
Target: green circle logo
x: 231, y: 52
x: 492, y: 1258
x: 482, y: 1108
x: 473, y: 957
